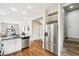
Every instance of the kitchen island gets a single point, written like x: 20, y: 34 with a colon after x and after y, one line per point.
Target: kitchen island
x: 13, y: 44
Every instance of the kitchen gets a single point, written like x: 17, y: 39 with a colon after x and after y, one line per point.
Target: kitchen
x: 16, y: 31
x: 11, y: 40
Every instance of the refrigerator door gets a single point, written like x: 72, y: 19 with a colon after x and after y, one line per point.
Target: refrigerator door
x: 51, y: 38
x: 46, y: 40
x: 55, y: 39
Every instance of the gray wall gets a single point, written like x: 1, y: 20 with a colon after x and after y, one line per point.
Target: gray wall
x: 72, y: 24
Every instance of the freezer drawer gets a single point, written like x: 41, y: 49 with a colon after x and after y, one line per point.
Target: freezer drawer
x: 53, y: 48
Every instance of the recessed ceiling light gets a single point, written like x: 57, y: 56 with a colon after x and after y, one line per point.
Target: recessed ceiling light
x: 3, y: 13
x: 71, y: 6
x: 29, y: 7
x: 13, y: 9
x: 23, y: 12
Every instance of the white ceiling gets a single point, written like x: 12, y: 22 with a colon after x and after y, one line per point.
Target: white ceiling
x: 35, y: 11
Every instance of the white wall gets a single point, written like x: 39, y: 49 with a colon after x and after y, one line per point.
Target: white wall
x: 0, y: 28
x: 35, y: 30
x: 29, y: 23
x: 60, y: 30
x: 41, y: 32
x: 21, y: 23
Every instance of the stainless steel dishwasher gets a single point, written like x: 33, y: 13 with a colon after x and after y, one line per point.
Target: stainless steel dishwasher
x: 25, y: 42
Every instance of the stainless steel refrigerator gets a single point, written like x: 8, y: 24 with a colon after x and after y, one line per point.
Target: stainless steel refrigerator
x: 51, y: 37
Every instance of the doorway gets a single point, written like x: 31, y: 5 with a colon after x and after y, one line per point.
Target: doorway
x: 37, y: 31
x: 71, y: 30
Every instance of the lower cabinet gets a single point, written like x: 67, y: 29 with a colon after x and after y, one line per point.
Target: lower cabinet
x: 18, y: 44
x: 11, y: 46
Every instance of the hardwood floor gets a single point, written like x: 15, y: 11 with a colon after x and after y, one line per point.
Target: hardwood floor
x: 35, y: 50
x: 71, y: 48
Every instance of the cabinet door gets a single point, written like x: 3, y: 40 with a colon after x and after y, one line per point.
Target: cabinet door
x: 9, y: 46
x: 18, y: 44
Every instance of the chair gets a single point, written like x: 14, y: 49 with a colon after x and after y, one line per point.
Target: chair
x: 1, y: 50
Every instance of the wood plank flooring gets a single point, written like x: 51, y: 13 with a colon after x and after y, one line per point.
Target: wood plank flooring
x: 35, y: 50
x: 71, y: 48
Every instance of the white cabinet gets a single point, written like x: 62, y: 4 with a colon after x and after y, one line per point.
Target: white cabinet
x: 12, y: 45
x: 18, y: 44
x: 9, y: 46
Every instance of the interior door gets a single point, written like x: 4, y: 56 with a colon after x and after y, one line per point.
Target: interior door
x: 73, y: 24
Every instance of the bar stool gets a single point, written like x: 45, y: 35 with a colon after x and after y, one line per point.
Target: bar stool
x: 1, y: 50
